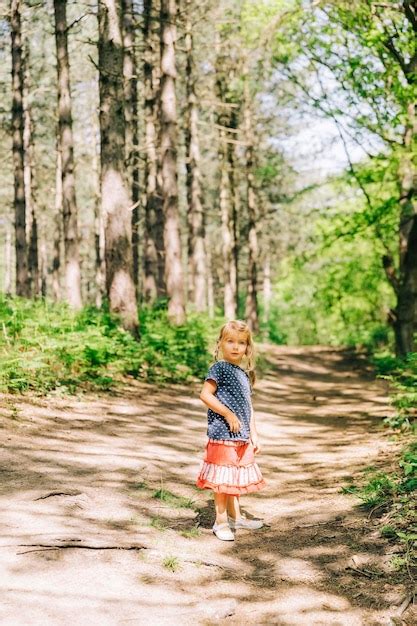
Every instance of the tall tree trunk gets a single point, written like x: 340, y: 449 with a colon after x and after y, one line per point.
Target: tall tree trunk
x: 168, y: 144
x: 267, y: 289
x: 99, y: 237
x: 8, y: 260
x: 196, y: 249
x: 229, y: 278
x: 404, y: 281
x: 31, y: 222
x: 154, y: 252
x: 209, y: 276
x: 69, y: 205
x: 22, y: 282
x: 131, y: 117
x: 252, y: 316
x: 56, y: 254
x: 235, y: 207
x: 115, y: 196
x: 225, y: 193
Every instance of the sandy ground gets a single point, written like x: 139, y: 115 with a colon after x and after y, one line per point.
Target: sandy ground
x: 84, y: 542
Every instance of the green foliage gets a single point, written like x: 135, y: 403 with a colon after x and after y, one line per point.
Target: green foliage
x: 44, y: 346
x: 402, y: 376
x: 390, y: 492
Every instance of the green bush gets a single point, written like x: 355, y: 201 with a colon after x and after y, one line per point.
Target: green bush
x: 402, y: 376
x: 44, y: 346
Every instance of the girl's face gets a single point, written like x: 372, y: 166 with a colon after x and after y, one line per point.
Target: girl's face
x: 233, y: 346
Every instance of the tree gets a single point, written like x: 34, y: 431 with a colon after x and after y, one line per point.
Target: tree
x: 22, y: 279
x: 195, y: 213
x: 154, y: 252
x: 69, y: 204
x: 168, y: 147
x: 116, y: 199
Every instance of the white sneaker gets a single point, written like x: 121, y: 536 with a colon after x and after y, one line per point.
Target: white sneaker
x: 242, y: 522
x: 223, y: 532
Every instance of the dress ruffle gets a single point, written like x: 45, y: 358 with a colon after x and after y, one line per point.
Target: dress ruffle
x: 230, y: 479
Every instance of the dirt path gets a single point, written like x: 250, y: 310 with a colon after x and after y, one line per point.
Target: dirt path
x: 84, y: 541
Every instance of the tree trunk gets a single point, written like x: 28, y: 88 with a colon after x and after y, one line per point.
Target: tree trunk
x: 404, y: 282
x: 168, y: 144
x: 69, y: 205
x: 235, y: 206
x: 154, y: 252
x: 196, y: 249
x: 56, y: 255
x: 252, y: 316
x: 31, y: 222
x: 131, y: 117
x: 209, y: 277
x: 22, y: 282
x: 115, y: 196
x: 99, y: 237
x: 267, y: 290
x: 8, y: 260
x: 229, y: 278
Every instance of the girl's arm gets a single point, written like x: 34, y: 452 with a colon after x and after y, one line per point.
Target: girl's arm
x: 254, y: 432
x: 208, y: 397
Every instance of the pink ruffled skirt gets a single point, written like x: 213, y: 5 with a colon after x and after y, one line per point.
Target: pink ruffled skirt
x: 229, y: 467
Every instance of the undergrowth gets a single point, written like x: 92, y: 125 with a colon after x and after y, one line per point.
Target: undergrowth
x: 45, y: 346
x: 392, y: 496
x: 401, y: 373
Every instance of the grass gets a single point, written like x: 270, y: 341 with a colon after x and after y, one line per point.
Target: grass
x: 191, y: 533
x: 171, y: 563
x: 177, y: 502
x: 158, y: 523
x: 392, y: 495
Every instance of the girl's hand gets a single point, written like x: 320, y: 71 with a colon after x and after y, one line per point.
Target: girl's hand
x: 233, y: 423
x: 256, y: 446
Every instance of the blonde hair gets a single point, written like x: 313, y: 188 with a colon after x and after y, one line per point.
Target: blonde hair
x: 240, y: 327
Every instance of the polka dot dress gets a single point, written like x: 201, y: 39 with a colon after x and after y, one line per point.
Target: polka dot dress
x: 229, y: 463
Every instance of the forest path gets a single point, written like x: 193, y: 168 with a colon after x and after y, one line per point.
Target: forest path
x: 83, y: 540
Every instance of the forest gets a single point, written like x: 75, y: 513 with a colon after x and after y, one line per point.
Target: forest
x: 167, y: 165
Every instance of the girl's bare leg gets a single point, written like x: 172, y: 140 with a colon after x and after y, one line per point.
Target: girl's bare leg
x: 233, y: 508
x: 220, y: 503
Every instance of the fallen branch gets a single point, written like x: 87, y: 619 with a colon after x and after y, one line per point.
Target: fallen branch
x: 363, y: 572
x: 72, y: 492
x: 80, y: 546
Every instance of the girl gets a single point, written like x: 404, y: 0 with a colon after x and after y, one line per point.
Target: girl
x: 229, y: 467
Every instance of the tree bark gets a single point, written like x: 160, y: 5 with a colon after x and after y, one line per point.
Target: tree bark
x: 154, y: 251
x: 225, y: 198
x: 252, y: 315
x: 235, y: 206
x: 31, y: 222
x: 116, y: 200
x: 56, y: 254
x: 168, y: 144
x: 196, y: 249
x: 99, y: 236
x: 405, y: 325
x: 69, y: 204
x: 229, y: 278
x: 22, y: 281
x: 131, y: 117
x: 8, y: 260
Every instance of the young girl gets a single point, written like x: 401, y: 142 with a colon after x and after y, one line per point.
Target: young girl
x: 229, y: 467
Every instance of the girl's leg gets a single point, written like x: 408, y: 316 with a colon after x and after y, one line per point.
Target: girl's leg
x: 220, y: 503
x: 233, y: 508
